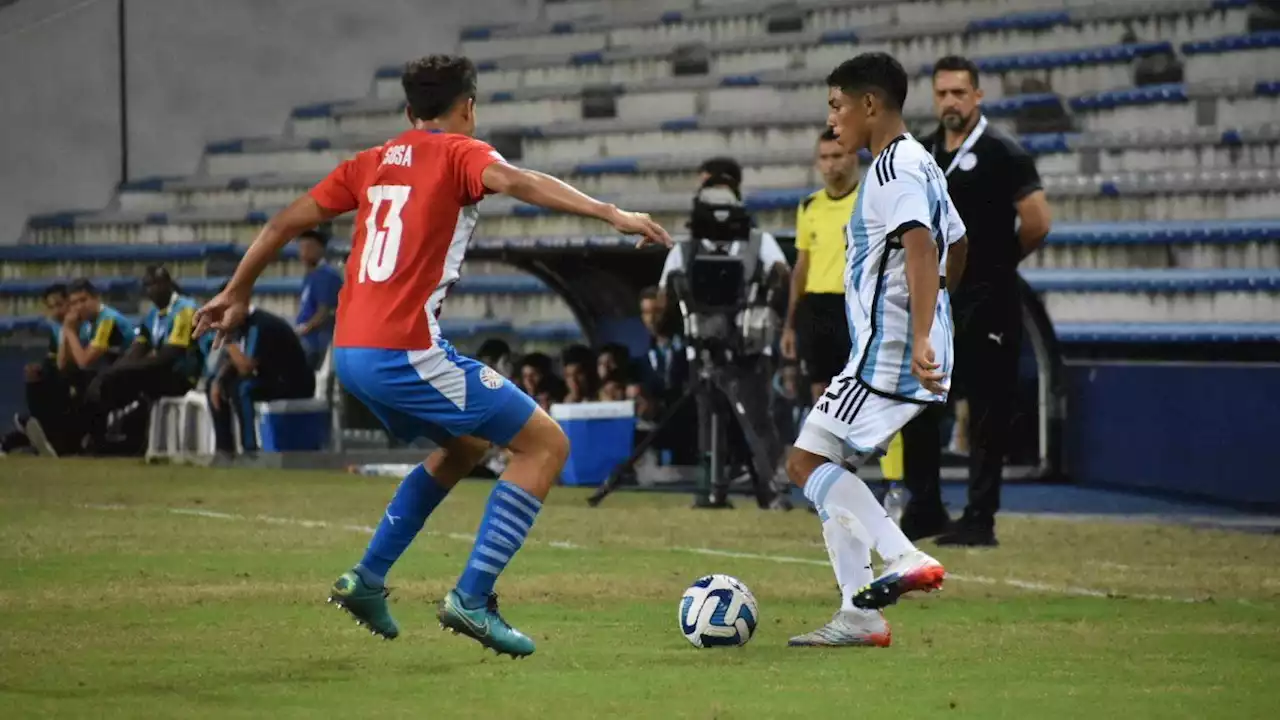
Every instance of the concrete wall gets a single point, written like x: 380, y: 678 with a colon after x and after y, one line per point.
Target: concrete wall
x: 59, y: 129
x: 197, y: 71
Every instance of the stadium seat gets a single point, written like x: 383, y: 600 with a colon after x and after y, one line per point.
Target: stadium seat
x: 1158, y: 296
x: 1206, y: 332
x: 1248, y: 56
x: 915, y: 37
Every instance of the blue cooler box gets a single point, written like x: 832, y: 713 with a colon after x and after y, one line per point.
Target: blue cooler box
x: 601, y: 436
x: 290, y: 425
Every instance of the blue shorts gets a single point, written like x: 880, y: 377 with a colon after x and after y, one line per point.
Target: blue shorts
x: 435, y: 393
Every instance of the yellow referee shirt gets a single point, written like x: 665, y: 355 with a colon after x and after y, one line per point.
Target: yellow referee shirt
x: 820, y: 224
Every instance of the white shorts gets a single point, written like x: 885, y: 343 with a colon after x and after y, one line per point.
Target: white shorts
x: 848, y: 414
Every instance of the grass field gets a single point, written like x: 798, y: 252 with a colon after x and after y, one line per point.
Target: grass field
x: 155, y: 592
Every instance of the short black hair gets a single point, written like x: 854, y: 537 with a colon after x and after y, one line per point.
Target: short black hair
x: 434, y: 83
x: 154, y: 274
x: 876, y: 72
x: 58, y: 289
x: 723, y: 171
x: 828, y: 135
x: 316, y: 235
x: 493, y: 348
x: 952, y: 63
x: 620, y: 352
x: 653, y: 292
x: 538, y: 361
x: 83, y: 285
x: 578, y: 355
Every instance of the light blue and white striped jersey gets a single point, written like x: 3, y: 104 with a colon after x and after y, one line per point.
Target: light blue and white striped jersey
x: 903, y: 189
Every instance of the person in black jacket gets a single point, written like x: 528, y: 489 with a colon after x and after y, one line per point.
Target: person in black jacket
x: 995, y: 186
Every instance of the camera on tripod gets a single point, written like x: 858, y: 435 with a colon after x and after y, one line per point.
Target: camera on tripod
x: 720, y: 288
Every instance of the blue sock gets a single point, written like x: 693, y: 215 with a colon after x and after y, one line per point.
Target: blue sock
x: 417, y: 496
x: 507, y: 519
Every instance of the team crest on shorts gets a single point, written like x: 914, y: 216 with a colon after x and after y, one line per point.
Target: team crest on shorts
x: 490, y: 378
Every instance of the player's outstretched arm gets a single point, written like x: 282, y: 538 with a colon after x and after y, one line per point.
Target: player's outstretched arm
x: 545, y: 191
x: 229, y: 308
x: 922, y: 285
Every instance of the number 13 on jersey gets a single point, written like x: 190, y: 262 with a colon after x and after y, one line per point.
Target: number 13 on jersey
x: 382, y: 244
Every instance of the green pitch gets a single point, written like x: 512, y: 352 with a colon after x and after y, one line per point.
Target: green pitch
x: 155, y: 592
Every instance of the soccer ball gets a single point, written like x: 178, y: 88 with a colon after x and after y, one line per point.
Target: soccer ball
x: 718, y: 610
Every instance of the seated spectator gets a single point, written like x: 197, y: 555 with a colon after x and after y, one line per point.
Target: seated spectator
x: 319, y: 302
x: 163, y: 361
x: 614, y: 388
x: 581, y: 382
x: 613, y: 358
x: 47, y: 392
x: 539, y: 381
x: 94, y: 335
x: 496, y: 353
x: 268, y: 363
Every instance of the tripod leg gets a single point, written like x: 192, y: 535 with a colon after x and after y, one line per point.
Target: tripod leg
x: 628, y: 465
x: 751, y: 412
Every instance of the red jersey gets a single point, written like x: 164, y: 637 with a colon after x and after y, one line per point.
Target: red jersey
x: 415, y: 198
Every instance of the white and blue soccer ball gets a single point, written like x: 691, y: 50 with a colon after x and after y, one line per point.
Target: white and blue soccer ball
x: 718, y: 610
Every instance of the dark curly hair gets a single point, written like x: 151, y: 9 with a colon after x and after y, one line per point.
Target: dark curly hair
x: 433, y: 84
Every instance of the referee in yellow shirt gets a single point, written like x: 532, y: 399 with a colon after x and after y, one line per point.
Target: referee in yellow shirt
x: 816, y: 332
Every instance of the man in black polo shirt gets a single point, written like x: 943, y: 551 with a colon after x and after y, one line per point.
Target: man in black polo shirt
x: 995, y: 186
x: 268, y: 363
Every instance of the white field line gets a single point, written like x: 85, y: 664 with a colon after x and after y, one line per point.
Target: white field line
x: 1067, y: 590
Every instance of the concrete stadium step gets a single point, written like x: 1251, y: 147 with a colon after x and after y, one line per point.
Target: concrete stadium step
x: 1068, y: 72
x: 1057, y: 153
x: 793, y: 115
x: 1188, y: 245
x: 1060, y: 67
x: 1001, y: 32
x: 1173, y: 195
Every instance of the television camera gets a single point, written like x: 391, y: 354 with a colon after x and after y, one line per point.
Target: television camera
x: 729, y: 329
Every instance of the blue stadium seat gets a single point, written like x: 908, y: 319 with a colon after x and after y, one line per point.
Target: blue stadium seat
x: 1162, y: 280
x: 1233, y: 43
x: 1167, y: 332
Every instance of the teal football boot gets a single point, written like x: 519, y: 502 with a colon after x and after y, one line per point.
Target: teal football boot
x: 484, y: 625
x: 367, y: 604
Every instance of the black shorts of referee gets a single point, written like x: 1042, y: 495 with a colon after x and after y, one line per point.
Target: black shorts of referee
x: 822, y: 338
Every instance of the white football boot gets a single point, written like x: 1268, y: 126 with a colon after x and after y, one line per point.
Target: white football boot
x: 848, y: 628
x: 913, y: 571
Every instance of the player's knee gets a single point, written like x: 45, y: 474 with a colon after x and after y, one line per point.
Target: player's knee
x: 556, y: 445
x: 456, y: 459
x: 801, y: 464
x: 544, y: 443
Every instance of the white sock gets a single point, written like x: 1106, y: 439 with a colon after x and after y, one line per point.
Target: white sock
x: 850, y: 558
x: 840, y: 494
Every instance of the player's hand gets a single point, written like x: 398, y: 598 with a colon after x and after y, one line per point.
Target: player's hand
x: 789, y: 343
x: 224, y: 313
x: 650, y: 232
x: 924, y: 367
x: 215, y: 395
x: 31, y: 372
